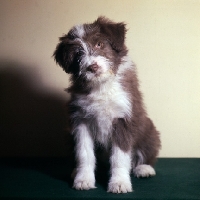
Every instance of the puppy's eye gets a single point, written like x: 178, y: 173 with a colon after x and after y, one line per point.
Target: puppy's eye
x: 79, y: 51
x: 99, y: 45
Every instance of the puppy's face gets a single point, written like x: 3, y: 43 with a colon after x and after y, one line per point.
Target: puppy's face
x: 92, y: 51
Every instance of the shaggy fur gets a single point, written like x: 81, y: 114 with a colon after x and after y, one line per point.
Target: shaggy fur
x: 106, y: 105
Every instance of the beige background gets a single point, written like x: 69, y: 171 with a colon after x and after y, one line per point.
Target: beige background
x: 164, y: 42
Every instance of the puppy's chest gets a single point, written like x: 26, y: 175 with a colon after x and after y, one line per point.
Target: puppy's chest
x: 107, y: 105
x: 102, y: 106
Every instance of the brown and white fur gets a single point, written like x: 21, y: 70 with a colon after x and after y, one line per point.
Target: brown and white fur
x: 106, y: 105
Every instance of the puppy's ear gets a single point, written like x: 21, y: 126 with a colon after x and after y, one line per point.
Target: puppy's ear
x: 63, y: 54
x: 114, y: 31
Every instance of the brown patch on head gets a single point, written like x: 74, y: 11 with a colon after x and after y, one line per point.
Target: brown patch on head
x: 115, y: 32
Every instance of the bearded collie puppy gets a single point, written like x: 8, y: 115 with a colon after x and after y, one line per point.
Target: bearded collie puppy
x: 106, y: 105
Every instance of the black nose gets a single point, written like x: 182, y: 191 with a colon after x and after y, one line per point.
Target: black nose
x: 93, y: 68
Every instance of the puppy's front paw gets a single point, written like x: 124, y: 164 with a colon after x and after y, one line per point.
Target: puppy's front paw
x: 120, y: 187
x: 84, y: 181
x: 83, y: 185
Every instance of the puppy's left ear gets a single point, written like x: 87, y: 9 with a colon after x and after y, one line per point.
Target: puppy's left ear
x: 114, y: 31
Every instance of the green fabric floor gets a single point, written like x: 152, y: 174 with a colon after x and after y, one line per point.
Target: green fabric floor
x: 49, y: 178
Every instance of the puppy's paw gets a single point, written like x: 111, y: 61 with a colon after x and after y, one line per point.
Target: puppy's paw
x: 144, y: 171
x: 84, y: 181
x: 120, y: 187
x: 83, y: 185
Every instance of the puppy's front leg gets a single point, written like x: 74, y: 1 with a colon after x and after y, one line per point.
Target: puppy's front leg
x: 84, y: 178
x: 120, y: 171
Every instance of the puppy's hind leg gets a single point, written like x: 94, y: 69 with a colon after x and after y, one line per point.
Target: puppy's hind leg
x: 139, y: 168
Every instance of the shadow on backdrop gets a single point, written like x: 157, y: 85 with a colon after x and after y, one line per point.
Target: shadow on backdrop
x: 32, y: 118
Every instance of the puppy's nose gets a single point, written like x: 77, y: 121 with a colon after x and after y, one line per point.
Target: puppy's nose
x: 93, y: 68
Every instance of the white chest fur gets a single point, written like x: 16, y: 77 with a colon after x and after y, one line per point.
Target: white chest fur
x: 104, y: 104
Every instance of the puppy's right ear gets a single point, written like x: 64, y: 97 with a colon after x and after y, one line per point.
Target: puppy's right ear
x: 62, y: 55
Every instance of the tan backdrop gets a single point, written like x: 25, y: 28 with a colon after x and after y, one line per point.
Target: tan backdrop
x: 164, y: 42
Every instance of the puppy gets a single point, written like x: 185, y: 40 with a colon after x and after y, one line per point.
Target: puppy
x: 106, y: 105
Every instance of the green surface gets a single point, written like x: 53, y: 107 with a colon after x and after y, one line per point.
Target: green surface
x: 49, y: 178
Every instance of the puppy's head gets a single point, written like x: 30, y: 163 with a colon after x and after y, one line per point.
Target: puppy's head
x: 92, y: 51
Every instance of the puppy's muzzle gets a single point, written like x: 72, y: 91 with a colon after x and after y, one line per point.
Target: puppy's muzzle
x: 93, y: 68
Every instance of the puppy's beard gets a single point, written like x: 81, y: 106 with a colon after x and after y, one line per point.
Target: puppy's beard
x: 104, y: 71
x: 100, y: 77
